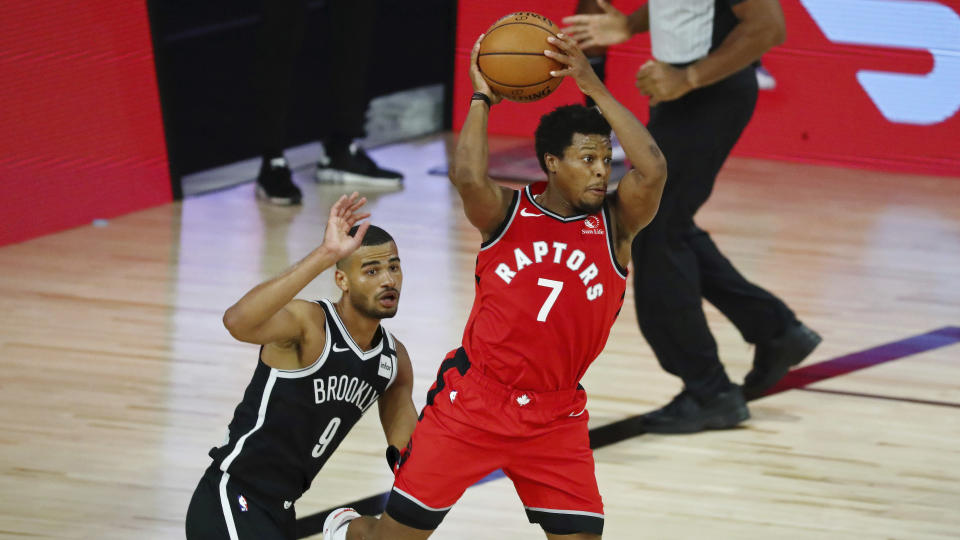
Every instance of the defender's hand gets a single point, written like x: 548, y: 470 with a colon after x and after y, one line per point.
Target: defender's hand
x: 607, y: 28
x: 577, y: 65
x: 479, y: 83
x: 343, y: 216
x: 662, y: 82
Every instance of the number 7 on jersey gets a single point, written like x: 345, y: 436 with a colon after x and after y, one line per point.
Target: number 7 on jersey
x: 548, y: 303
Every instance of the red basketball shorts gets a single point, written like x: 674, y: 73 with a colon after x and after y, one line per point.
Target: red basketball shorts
x: 473, y: 425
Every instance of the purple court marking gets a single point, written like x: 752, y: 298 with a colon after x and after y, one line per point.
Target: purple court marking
x: 880, y: 396
x: 807, y: 375
x: 495, y: 475
x: 796, y: 379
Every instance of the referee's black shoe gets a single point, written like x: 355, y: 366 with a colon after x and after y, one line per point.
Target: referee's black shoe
x: 773, y: 359
x: 275, y: 183
x: 352, y: 165
x: 687, y: 414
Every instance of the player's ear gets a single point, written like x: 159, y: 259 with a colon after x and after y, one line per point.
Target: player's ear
x: 552, y: 162
x: 341, y: 279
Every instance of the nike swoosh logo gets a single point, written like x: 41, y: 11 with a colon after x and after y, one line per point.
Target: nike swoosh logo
x: 523, y: 212
x: 336, y: 349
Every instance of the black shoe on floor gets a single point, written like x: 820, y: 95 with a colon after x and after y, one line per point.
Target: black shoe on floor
x: 354, y: 166
x: 773, y: 359
x: 686, y: 414
x: 275, y: 184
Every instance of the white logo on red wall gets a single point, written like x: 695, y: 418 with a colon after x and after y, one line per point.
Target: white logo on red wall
x: 931, y: 26
x: 591, y: 226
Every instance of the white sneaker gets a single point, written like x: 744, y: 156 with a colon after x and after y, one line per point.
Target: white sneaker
x: 335, y: 526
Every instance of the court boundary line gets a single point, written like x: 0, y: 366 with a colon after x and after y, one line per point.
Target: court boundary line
x: 868, y: 395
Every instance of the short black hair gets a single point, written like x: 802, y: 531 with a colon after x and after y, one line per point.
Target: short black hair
x: 557, y: 127
x: 375, y: 236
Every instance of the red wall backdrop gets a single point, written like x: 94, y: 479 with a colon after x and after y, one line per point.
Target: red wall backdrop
x: 819, y: 111
x: 81, y: 135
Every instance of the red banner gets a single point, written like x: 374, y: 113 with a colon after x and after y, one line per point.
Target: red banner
x: 81, y: 135
x: 865, y: 83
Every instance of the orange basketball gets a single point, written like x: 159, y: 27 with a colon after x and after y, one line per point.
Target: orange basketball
x: 511, y: 57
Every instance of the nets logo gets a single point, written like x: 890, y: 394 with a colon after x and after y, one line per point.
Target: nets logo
x: 902, y: 98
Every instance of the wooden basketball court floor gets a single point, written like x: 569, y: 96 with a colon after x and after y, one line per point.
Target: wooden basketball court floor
x: 117, y: 375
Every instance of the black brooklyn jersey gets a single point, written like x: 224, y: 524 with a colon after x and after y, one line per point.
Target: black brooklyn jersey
x: 290, y: 421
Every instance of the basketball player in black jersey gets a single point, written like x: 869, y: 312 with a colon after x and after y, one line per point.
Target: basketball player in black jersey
x: 321, y: 366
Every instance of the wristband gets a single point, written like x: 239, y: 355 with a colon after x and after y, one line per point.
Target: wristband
x: 480, y: 96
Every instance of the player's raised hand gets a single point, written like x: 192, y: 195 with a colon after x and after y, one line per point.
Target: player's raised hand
x: 343, y: 216
x: 479, y: 83
x: 598, y: 30
x: 575, y: 62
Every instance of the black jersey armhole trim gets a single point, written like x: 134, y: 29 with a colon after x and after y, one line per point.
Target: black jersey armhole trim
x: 502, y: 228
x: 608, y: 218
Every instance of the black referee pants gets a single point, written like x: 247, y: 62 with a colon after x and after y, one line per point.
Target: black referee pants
x: 349, y: 30
x: 675, y: 262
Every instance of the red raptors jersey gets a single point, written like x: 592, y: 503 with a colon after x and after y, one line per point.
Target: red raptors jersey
x: 548, y: 290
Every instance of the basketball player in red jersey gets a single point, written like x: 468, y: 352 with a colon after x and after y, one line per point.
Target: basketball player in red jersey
x: 550, y: 280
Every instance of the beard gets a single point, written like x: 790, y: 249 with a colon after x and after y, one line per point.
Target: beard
x: 370, y: 308
x: 586, y: 208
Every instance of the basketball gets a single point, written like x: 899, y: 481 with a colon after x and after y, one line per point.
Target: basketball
x: 511, y: 57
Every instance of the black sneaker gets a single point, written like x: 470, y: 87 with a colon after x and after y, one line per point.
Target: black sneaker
x: 773, y: 359
x: 354, y: 166
x: 686, y: 414
x: 275, y: 184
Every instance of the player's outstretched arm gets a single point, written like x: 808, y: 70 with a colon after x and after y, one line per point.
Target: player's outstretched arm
x: 398, y: 415
x: 638, y: 195
x: 267, y: 313
x: 484, y: 202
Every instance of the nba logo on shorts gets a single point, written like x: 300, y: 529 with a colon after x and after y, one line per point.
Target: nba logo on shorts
x: 243, y: 503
